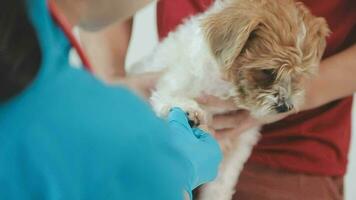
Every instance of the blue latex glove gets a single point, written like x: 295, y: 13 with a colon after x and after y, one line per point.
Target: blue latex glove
x: 199, y: 147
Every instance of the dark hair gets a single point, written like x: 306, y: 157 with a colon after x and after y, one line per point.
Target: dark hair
x: 20, y: 53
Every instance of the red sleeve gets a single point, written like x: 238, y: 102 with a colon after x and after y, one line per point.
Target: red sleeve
x: 171, y: 13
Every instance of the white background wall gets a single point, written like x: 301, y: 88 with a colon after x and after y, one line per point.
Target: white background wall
x: 145, y: 38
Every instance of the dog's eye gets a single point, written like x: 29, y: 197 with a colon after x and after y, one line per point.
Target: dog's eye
x: 268, y: 72
x: 264, y: 77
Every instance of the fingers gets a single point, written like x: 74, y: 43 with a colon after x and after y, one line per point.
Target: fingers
x: 141, y: 84
x: 207, y: 129
x: 275, y: 118
x: 229, y: 120
x: 199, y: 133
x: 225, y: 133
x: 149, y: 79
x: 233, y: 123
x: 222, y: 133
x: 213, y: 101
x: 178, y: 116
x: 146, y: 82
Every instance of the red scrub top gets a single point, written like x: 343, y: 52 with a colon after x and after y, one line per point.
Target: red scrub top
x: 315, y: 141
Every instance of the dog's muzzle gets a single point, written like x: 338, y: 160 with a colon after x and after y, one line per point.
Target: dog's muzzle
x: 283, y: 107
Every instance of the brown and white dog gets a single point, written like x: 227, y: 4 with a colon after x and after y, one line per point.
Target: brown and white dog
x: 257, y: 52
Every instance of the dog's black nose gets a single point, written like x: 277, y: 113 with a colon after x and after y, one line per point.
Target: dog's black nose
x: 282, y: 108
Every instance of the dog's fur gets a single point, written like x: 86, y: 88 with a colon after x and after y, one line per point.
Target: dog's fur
x: 257, y: 52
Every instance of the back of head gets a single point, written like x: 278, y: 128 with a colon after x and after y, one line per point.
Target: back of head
x: 20, y: 54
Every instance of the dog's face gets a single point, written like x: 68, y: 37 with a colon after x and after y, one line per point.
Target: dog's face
x: 267, y: 48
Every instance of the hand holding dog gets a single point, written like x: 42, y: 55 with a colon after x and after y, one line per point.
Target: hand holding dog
x: 141, y: 84
x: 234, y: 121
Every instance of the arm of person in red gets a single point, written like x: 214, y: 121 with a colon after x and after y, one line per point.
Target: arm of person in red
x: 336, y: 79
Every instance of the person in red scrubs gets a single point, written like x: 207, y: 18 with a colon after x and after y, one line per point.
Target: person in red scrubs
x: 303, y: 156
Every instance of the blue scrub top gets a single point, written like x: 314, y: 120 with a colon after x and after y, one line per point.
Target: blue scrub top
x: 68, y: 136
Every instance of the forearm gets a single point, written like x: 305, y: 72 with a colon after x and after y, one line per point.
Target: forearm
x: 107, y: 49
x: 336, y: 79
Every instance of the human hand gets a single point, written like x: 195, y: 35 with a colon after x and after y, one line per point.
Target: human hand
x: 233, y: 121
x: 198, y: 146
x: 142, y: 84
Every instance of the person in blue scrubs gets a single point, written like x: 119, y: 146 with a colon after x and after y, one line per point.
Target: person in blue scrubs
x: 65, y: 135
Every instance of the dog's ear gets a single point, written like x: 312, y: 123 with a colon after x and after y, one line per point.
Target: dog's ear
x: 315, y: 32
x: 227, y: 32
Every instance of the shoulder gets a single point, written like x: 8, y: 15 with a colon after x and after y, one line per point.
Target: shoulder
x: 65, y: 129
x: 91, y: 103
x: 74, y: 102
x: 172, y: 13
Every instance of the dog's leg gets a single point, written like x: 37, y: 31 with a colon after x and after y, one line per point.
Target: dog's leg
x: 162, y: 103
x: 223, y: 187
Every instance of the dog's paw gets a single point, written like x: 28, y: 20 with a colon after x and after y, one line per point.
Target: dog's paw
x: 195, y: 114
x: 195, y: 117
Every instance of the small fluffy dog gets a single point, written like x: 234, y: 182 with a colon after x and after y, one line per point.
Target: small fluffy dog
x: 257, y: 52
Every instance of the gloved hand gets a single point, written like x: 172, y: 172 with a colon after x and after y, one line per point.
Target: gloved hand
x: 199, y: 147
